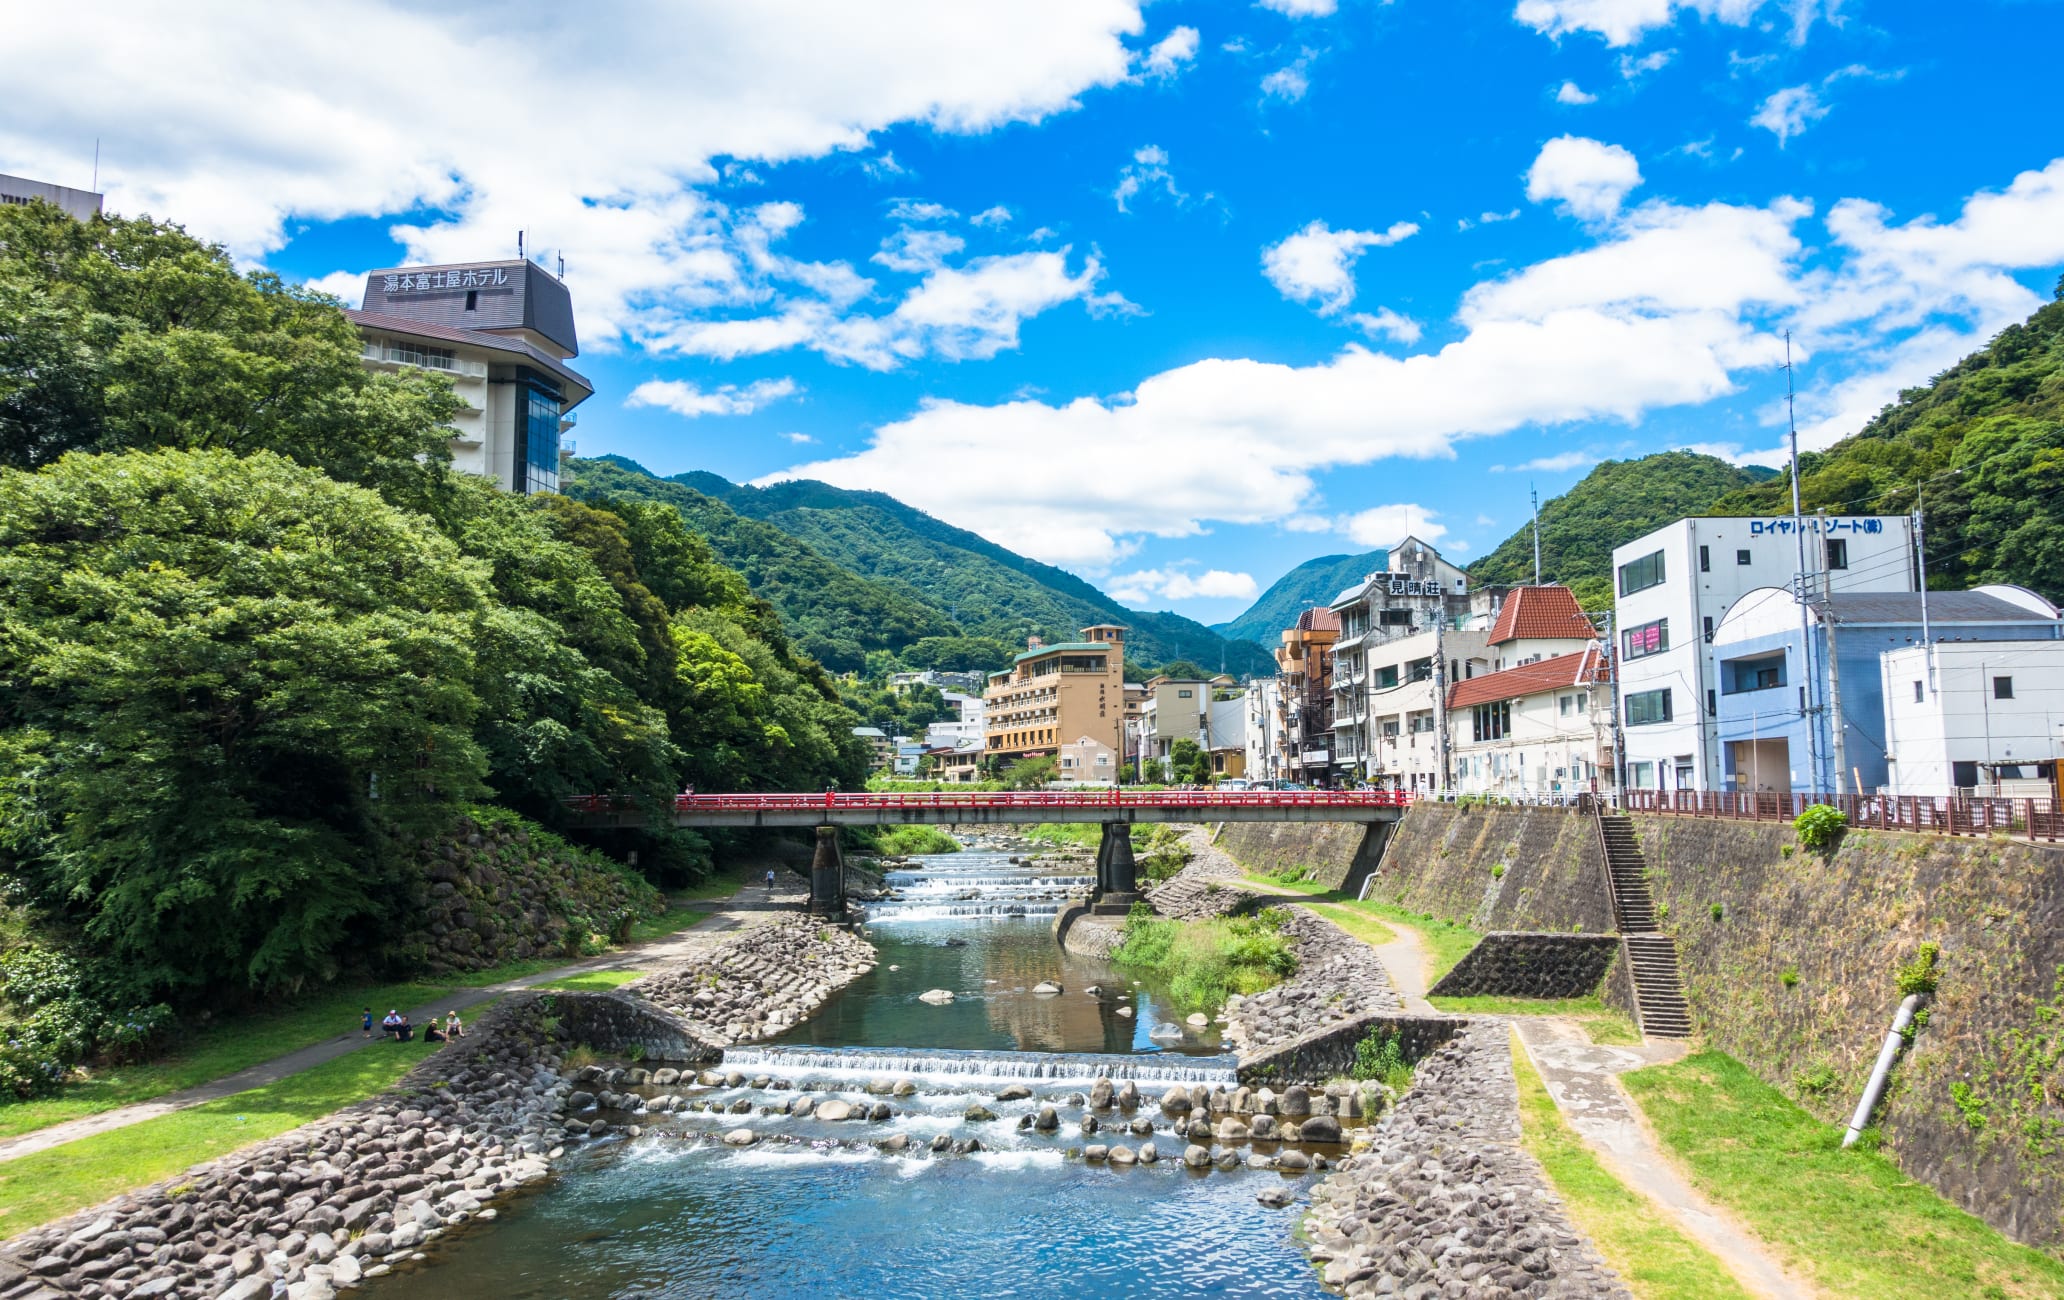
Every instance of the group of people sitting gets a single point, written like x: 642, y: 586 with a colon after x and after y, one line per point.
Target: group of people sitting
x: 398, y: 1027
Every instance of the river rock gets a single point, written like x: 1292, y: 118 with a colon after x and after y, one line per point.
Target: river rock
x: 1176, y: 1101
x: 737, y: 1137
x: 1296, y: 1102
x: 879, y: 1111
x: 1122, y: 1155
x: 1196, y: 1157
x: 1319, y: 1128
x: 978, y: 1114
x: 900, y: 1142
x: 904, y: 1088
x: 1046, y: 988
x: 937, y: 997
x: 1263, y: 1129
x: 1295, y: 1162
x: 1198, y: 1020
x: 1141, y: 1126
x: 1095, y: 1151
x: 1015, y: 1092
x: 1149, y: 1153
x: 802, y: 1105
x: 1091, y: 1124
x: 1227, y: 1159
x: 1232, y: 1130
x: 1274, y: 1197
x: 1100, y: 1094
x: 1048, y: 1120
x: 1128, y: 1096
x: 1199, y: 1129
x: 943, y: 1142
x: 835, y: 1109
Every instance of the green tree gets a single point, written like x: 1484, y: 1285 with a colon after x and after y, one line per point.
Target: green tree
x: 1188, y: 763
x: 1034, y: 773
x: 229, y: 682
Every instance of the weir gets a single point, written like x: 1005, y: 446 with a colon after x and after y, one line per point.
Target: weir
x: 938, y: 1065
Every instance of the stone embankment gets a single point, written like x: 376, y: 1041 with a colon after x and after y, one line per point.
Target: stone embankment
x: 1184, y: 897
x: 1443, y: 1201
x: 769, y: 979
x: 354, y: 1195
x: 1339, y: 979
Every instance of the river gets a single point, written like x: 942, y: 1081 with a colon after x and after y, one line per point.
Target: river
x: 814, y: 1210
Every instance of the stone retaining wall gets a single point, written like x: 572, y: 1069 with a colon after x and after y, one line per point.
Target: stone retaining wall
x: 1329, y: 849
x: 1339, y: 979
x: 768, y: 979
x: 619, y: 1024
x: 1329, y: 1051
x: 1444, y: 1201
x: 1520, y: 965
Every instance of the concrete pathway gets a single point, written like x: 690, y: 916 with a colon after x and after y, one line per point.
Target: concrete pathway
x: 1580, y: 1077
x: 751, y: 905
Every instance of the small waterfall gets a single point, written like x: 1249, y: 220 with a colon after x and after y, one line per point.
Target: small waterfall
x: 920, y: 911
x: 972, y: 886
x: 981, y: 1067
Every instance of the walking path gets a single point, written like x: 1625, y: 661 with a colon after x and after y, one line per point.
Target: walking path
x: 751, y: 905
x: 1580, y: 1077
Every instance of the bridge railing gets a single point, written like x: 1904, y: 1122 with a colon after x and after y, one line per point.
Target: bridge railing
x: 1117, y: 800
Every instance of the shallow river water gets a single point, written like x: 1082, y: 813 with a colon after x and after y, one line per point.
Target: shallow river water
x: 815, y: 1211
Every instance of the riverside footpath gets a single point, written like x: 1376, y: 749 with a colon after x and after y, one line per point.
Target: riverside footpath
x: 754, y: 904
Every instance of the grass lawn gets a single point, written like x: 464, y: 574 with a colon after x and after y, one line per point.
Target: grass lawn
x: 1359, y: 924
x: 1604, y: 1024
x: 226, y: 1044
x: 1654, y: 1258
x: 596, y: 981
x: 1446, y: 942
x: 50, y: 1184
x: 1851, y: 1221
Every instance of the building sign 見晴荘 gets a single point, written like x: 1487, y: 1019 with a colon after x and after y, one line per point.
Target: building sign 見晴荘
x: 1783, y: 527
x: 1414, y: 587
x: 470, y: 278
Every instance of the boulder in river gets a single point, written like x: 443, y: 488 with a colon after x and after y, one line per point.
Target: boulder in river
x: 978, y: 1114
x: 1263, y: 1129
x: 1100, y: 1094
x: 1122, y: 1155
x: 741, y: 1137
x: 1295, y: 1101
x: 1015, y: 1092
x: 1274, y: 1197
x: 1046, y: 987
x: 1148, y: 1153
x: 835, y: 1110
x: 1176, y: 1101
x: 1095, y: 1151
x: 1049, y: 1120
x: 1196, y: 1157
x: 937, y: 997
x: 1232, y: 1130
x: 1319, y: 1128
x: 1128, y: 1096
x: 1198, y: 1020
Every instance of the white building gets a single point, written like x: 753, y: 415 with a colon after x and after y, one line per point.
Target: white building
x: 1672, y: 588
x: 1390, y: 666
x: 80, y: 205
x: 1263, y: 702
x: 1983, y: 716
x: 1542, y: 728
x: 502, y: 333
x: 1087, y: 760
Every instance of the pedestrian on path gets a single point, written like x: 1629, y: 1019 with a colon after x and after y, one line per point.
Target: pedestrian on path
x: 365, y: 1023
x: 770, y: 880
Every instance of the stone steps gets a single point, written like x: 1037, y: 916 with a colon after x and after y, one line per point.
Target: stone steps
x: 1651, y: 955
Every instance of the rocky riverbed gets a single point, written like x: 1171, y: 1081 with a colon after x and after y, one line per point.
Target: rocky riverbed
x: 769, y: 979
x: 356, y: 1194
x: 1443, y: 1201
x: 1338, y: 979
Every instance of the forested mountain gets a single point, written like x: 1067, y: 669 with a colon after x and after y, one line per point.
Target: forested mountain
x: 1983, y: 443
x: 1315, y: 582
x: 1616, y: 502
x: 963, y: 581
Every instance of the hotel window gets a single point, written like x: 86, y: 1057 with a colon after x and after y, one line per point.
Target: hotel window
x: 1838, y: 552
x: 2002, y: 688
x: 1705, y: 559
x: 1647, y: 707
x: 1493, y: 721
x: 415, y: 354
x: 1394, y: 618
x: 1641, y: 574
x: 1647, y: 639
x: 1741, y: 557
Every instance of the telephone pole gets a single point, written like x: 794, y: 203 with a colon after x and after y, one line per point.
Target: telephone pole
x: 1537, y: 532
x: 1808, y: 712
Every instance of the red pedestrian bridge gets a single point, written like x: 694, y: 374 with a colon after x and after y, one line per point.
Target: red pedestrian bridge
x: 986, y: 808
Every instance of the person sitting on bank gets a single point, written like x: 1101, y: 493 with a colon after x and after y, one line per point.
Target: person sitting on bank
x: 391, y: 1024
x: 453, y: 1026
x: 432, y: 1034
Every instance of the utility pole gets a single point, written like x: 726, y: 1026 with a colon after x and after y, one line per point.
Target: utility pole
x: 1808, y: 712
x: 1921, y: 557
x: 1440, y: 696
x: 1537, y: 532
x: 1834, y: 662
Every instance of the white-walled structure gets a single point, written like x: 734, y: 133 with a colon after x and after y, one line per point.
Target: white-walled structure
x: 1543, y: 728
x: 1673, y: 586
x: 1962, y: 715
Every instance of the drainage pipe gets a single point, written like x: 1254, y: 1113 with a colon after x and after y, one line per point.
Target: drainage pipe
x: 1882, y: 1071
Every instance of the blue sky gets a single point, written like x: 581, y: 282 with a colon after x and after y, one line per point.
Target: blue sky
x: 1179, y: 296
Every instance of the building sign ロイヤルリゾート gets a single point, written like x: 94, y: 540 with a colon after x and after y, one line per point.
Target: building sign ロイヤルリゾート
x: 1773, y: 527
x: 470, y: 278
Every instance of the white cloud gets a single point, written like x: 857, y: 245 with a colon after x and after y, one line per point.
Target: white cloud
x: 1147, y: 173
x: 1587, y: 177
x: 346, y: 286
x: 1559, y: 463
x: 798, y: 437
x: 1310, y: 524
x: 1666, y: 308
x: 916, y: 210
x: 1316, y: 265
x: 684, y: 398
x: 996, y: 216
x: 1302, y: 8
x: 1625, y: 22
x: 237, y: 128
x: 1171, y: 53
x: 1287, y: 84
x: 1789, y: 111
x: 1572, y: 93
x: 1633, y: 68
x: 917, y: 251
x: 1389, y: 525
x: 1148, y: 585
x: 1385, y: 323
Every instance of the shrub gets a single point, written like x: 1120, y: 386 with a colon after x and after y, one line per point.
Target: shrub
x: 1381, y: 1056
x: 1815, y: 1081
x: 1204, y: 962
x: 1918, y: 975
x: 1498, y: 871
x: 1789, y: 977
x: 1820, y: 826
x: 1717, y: 911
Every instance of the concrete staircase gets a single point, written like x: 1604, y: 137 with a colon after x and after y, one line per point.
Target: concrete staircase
x: 1651, y: 955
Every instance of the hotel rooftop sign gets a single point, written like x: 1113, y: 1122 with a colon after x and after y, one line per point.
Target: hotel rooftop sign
x: 484, y: 277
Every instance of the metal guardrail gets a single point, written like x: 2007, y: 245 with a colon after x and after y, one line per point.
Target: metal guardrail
x: 2038, y: 820
x: 834, y: 801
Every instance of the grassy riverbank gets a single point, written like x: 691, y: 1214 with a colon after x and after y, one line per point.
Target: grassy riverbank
x: 1605, y: 1025
x: 1446, y: 943
x: 223, y: 1045
x: 50, y: 1184
x: 1205, y: 962
x: 1654, y: 1258
x: 1851, y: 1221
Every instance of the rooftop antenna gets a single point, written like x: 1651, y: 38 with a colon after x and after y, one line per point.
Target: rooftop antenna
x: 1537, y: 533
x: 96, y: 164
x: 519, y: 245
x: 562, y: 264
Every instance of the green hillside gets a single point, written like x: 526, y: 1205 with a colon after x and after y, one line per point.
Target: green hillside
x: 1613, y: 504
x: 1315, y: 582
x: 943, y: 579
x: 1984, y: 441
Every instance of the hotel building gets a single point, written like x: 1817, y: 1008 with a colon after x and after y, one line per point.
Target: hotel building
x: 1055, y: 695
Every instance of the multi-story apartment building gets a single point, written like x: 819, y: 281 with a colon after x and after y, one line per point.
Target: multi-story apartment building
x: 502, y: 332
x: 1053, y: 695
x: 1265, y: 756
x: 1388, y: 667
x: 1304, y: 674
x: 1673, y: 587
x: 1175, y: 708
x: 1543, y: 727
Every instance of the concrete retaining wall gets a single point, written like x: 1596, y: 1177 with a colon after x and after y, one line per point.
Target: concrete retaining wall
x: 1326, y: 1053
x: 618, y: 1024
x: 1327, y: 848
x: 1510, y: 965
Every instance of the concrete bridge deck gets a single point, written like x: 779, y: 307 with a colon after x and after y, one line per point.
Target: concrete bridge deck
x: 1366, y: 807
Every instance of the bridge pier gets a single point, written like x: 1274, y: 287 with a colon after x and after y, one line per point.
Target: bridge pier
x: 1117, y: 874
x: 828, y: 875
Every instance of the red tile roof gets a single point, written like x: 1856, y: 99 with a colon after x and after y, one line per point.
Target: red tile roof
x: 1584, y: 668
x: 1535, y: 613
